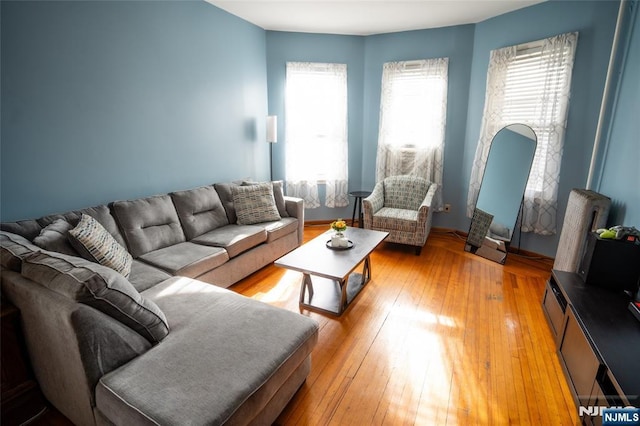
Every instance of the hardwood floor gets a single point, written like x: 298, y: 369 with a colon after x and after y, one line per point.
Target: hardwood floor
x: 443, y: 338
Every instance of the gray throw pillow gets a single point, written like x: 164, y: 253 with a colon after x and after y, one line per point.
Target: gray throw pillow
x: 278, y: 195
x: 55, y: 237
x: 100, y: 287
x: 95, y: 243
x: 255, y: 204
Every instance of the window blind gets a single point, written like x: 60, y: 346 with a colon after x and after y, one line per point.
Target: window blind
x: 533, y: 81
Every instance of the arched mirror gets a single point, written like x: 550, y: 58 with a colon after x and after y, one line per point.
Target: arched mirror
x: 500, y: 196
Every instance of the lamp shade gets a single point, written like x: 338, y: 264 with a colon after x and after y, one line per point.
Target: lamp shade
x: 272, y: 129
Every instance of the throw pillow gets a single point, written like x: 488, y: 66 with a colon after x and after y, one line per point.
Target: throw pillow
x: 54, y: 237
x: 255, y: 204
x: 94, y: 243
x: 278, y: 195
x: 99, y: 287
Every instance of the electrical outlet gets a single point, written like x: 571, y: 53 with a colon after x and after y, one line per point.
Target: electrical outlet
x: 447, y: 208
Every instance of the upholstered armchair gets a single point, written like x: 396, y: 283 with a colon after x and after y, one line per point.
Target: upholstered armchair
x: 401, y: 206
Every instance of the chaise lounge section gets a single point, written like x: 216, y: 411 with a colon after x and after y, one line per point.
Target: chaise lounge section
x: 162, y: 346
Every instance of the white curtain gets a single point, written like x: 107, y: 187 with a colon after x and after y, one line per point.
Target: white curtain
x: 529, y: 84
x: 413, y: 116
x: 316, y: 144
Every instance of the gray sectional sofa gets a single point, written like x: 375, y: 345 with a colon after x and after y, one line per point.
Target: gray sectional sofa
x: 133, y: 331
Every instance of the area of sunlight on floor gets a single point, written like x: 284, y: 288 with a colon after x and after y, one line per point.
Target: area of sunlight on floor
x: 414, y: 371
x: 282, y: 291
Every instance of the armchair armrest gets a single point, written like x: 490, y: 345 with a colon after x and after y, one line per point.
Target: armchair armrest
x: 429, y: 198
x: 372, y: 204
x: 425, y: 211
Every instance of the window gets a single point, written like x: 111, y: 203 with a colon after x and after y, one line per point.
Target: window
x: 530, y: 84
x: 413, y: 115
x: 316, y: 132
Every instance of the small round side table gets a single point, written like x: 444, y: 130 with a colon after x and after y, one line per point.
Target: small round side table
x: 358, y: 195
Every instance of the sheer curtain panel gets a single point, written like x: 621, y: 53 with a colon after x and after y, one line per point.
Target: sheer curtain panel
x: 529, y: 84
x: 413, y: 116
x: 316, y: 144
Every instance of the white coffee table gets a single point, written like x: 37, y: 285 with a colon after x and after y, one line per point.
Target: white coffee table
x: 329, y: 284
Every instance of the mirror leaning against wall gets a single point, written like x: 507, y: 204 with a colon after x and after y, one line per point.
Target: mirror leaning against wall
x: 500, y: 197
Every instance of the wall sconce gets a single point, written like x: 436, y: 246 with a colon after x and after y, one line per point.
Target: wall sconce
x: 272, y: 137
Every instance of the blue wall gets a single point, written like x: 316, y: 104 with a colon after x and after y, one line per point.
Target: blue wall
x: 619, y: 177
x: 113, y: 100
x: 116, y: 100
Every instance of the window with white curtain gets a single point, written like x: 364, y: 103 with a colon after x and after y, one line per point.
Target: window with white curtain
x: 316, y: 142
x: 413, y: 116
x: 529, y: 84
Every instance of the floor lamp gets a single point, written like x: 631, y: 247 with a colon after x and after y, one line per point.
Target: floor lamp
x: 272, y: 137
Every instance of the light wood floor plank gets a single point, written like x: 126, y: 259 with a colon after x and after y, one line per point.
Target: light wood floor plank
x: 444, y: 338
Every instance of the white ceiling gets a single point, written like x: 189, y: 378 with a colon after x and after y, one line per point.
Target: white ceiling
x: 365, y: 17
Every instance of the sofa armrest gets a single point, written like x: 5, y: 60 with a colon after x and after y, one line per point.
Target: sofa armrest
x: 70, y: 345
x: 295, y: 208
x: 372, y: 204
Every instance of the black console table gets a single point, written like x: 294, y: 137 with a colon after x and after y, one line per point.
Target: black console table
x: 598, y: 341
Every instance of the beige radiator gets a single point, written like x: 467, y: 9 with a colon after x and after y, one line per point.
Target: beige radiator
x: 586, y: 211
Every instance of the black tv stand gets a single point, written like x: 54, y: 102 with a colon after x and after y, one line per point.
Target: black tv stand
x: 598, y: 342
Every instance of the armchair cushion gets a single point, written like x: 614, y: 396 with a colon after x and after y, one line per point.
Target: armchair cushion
x: 396, y: 219
x: 405, y: 192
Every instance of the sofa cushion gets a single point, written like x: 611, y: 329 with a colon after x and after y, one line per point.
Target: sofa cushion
x: 101, y: 213
x: 225, y: 193
x: 235, y: 239
x: 279, y: 228
x: 254, y: 204
x: 13, y: 249
x: 226, y: 349
x: 55, y: 237
x: 94, y: 243
x: 144, y: 276
x: 187, y: 259
x: 26, y: 228
x: 100, y: 287
x: 200, y: 210
x: 148, y: 224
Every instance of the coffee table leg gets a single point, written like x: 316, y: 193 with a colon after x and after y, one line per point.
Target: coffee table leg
x: 359, y: 280
x: 306, y: 284
x: 343, y: 296
x: 366, y: 271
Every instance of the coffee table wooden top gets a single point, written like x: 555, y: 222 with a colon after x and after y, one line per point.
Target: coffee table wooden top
x: 315, y: 258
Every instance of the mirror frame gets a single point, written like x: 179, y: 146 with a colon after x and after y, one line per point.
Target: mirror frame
x: 478, y: 240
